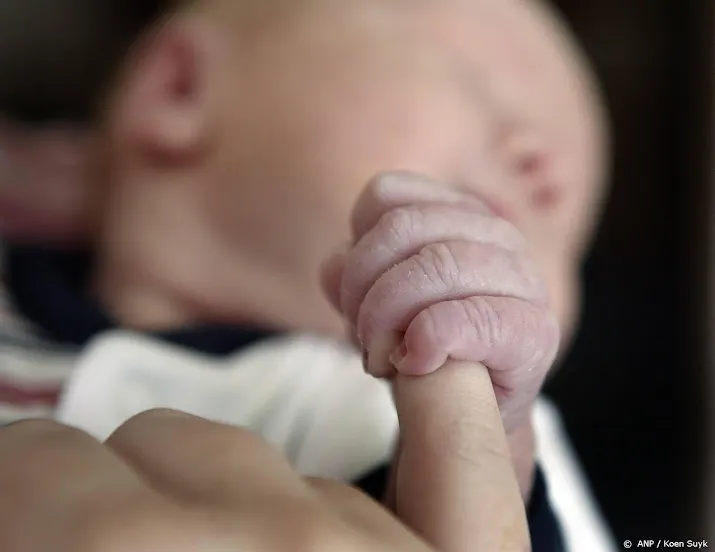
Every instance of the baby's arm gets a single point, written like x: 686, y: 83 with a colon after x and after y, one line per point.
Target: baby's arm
x: 432, y: 274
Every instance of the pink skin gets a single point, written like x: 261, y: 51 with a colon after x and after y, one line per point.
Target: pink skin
x: 433, y: 274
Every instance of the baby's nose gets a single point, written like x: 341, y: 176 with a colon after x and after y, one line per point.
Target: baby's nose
x: 524, y: 151
x: 529, y: 157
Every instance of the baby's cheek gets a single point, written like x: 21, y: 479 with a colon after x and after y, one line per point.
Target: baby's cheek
x: 565, y: 289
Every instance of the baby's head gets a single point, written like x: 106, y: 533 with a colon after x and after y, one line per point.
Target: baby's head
x: 239, y: 135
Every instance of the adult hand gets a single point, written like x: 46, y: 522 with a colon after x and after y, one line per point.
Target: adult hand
x: 44, y: 176
x: 169, y: 481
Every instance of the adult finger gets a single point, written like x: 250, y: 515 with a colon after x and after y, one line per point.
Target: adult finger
x: 362, y: 512
x: 249, y: 485
x: 455, y: 484
x: 57, y: 484
x: 224, y: 465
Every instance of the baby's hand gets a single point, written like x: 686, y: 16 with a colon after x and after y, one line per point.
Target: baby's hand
x: 434, y: 274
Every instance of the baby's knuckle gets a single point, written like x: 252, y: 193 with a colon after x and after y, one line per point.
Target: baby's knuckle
x: 400, y: 222
x: 438, y: 262
x: 425, y: 327
x: 484, y: 318
x: 534, y: 326
x: 534, y: 319
x: 381, y: 188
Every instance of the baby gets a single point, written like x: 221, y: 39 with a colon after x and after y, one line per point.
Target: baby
x: 232, y: 158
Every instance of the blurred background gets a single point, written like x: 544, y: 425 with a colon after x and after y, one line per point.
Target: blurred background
x: 632, y: 391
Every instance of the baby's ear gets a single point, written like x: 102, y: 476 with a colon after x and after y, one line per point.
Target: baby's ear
x: 165, y: 106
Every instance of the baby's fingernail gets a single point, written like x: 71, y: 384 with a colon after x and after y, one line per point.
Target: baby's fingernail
x: 398, y: 354
x: 379, y: 362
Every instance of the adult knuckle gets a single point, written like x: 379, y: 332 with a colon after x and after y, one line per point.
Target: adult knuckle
x: 220, y: 445
x: 34, y: 426
x: 211, y: 438
x: 130, y: 525
x: 155, y: 414
x: 313, y: 532
x: 54, y: 438
x: 144, y: 421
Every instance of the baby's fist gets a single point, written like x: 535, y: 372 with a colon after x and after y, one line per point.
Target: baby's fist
x: 435, y: 274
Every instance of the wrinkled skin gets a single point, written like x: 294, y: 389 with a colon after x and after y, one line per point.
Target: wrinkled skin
x: 435, y: 264
x: 292, y: 108
x: 487, y: 97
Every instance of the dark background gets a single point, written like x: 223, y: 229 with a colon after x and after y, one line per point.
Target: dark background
x: 631, y: 390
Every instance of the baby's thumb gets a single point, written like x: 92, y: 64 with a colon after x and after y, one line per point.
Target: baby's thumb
x: 331, y: 276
